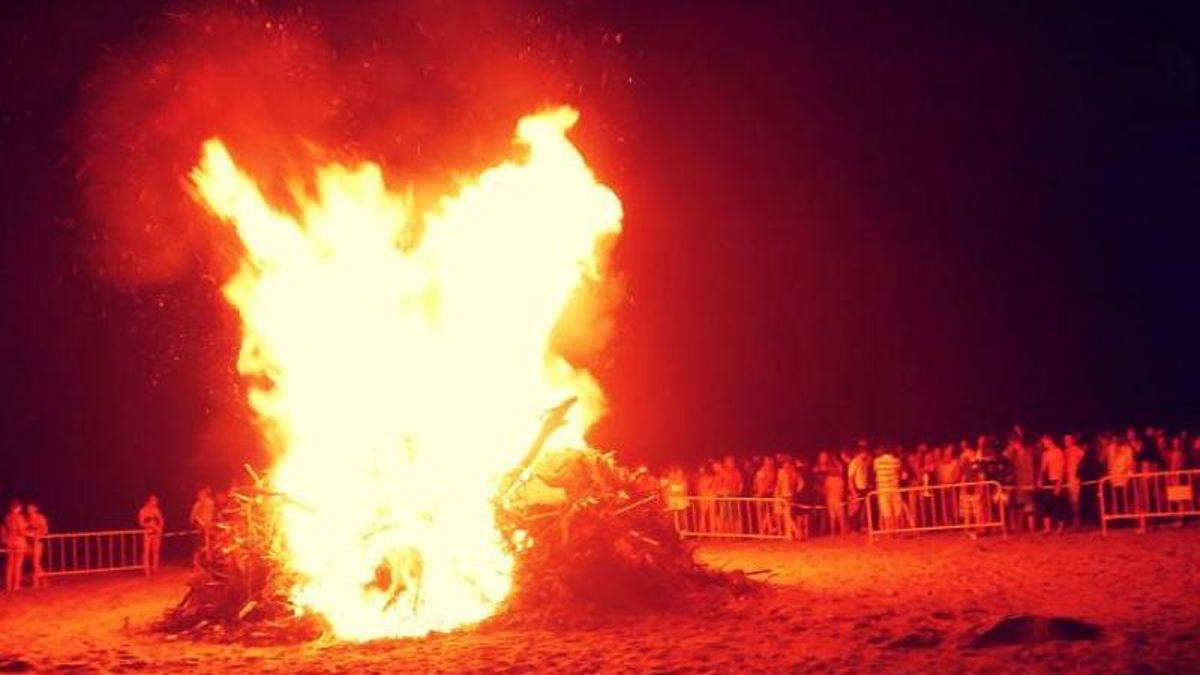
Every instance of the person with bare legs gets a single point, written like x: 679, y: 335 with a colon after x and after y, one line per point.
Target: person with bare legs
x: 1051, y: 486
x: 764, y: 489
x: 150, y: 519
x: 708, y: 486
x: 39, y: 527
x: 833, y: 487
x: 1176, y: 459
x: 888, y: 474
x: 1120, y: 465
x: 16, y: 536
x: 203, y: 517
x: 858, y: 477
x: 1072, y: 457
x: 786, y: 478
x: 734, y: 486
x: 1022, y: 500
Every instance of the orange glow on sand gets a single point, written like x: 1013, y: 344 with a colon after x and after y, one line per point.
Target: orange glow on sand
x: 401, y: 362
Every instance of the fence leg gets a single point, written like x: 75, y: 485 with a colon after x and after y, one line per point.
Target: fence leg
x: 1100, y: 503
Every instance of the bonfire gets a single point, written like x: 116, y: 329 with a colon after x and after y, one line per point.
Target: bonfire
x: 407, y: 368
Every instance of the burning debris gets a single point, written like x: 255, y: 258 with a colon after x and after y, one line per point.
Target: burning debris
x: 590, y: 539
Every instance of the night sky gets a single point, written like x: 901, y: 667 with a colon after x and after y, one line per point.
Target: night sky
x: 901, y: 223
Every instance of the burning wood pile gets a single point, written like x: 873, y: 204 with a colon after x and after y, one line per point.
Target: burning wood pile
x: 398, y: 354
x: 607, y: 547
x: 240, y: 590
x: 590, y: 538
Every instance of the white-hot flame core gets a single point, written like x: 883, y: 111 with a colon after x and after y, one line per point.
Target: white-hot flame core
x: 404, y: 368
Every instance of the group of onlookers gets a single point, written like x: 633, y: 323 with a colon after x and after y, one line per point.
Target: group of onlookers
x: 24, y: 530
x: 1049, y: 482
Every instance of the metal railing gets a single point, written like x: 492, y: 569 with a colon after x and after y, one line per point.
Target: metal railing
x: 972, y: 506
x: 87, y: 552
x: 1149, y: 495
x: 736, y: 518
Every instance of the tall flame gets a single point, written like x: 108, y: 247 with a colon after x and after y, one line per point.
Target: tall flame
x: 403, y: 363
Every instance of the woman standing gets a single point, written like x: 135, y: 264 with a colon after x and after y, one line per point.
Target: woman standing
x: 39, y: 527
x: 16, y: 532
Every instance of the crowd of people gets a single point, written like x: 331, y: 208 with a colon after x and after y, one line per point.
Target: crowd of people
x: 1049, y: 483
x: 24, y: 533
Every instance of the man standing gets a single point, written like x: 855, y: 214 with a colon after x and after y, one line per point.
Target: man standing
x: 858, y: 475
x: 1051, y: 485
x: 150, y: 518
x: 202, y: 518
x: 887, y: 482
x: 764, y: 489
x: 1072, y: 458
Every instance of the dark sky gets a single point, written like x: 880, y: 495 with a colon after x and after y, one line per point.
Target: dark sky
x: 900, y: 222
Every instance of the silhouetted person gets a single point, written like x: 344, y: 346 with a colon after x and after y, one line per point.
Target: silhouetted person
x: 16, y: 537
x: 150, y: 518
x: 39, y: 527
x: 203, y: 518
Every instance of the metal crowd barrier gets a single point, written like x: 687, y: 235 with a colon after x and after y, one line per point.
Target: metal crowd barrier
x: 1143, y: 496
x: 930, y: 508
x: 88, y: 552
x: 67, y: 553
x: 735, y: 517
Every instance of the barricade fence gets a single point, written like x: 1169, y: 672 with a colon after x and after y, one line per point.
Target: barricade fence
x: 70, y: 553
x: 1155, y: 495
x: 88, y: 552
x: 734, y: 517
x: 975, y: 507
x: 969, y: 506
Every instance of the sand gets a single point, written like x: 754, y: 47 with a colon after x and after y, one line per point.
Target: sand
x: 833, y: 605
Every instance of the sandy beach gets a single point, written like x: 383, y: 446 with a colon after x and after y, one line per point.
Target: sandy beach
x: 830, y: 605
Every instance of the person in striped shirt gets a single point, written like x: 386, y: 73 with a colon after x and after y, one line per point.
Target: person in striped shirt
x: 887, y: 483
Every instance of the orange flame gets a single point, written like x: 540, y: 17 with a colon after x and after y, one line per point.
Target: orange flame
x: 408, y: 361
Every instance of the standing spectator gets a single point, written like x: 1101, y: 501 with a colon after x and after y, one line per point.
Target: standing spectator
x: 734, y: 486
x: 203, y: 518
x: 1072, y: 457
x: 888, y: 472
x: 970, y: 501
x: 16, y: 536
x: 1176, y: 456
x: 1120, y: 467
x: 949, y: 472
x: 829, y: 472
x: 858, y: 477
x: 785, y: 491
x: 150, y: 518
x: 807, y: 499
x: 927, y: 503
x: 39, y: 527
x: 1024, y: 476
x: 1091, y: 470
x: 708, y: 486
x: 764, y: 488
x: 1052, y: 485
